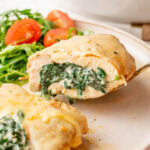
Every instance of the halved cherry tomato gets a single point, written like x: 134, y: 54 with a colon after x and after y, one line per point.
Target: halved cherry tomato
x: 61, y: 19
x: 23, y: 31
x: 54, y: 35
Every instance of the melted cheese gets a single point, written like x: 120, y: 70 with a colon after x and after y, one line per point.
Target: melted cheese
x: 49, y: 125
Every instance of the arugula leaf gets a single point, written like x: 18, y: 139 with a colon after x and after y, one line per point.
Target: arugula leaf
x: 13, y: 60
x: 77, y: 32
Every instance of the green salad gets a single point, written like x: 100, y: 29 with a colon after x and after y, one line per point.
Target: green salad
x: 13, y: 58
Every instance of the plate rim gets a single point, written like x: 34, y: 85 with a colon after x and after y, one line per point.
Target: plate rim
x: 119, y: 31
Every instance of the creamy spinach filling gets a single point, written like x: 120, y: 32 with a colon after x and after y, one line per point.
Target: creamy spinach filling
x: 73, y: 77
x: 12, y: 133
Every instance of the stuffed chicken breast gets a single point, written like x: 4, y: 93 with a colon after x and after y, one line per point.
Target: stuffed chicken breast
x: 82, y: 67
x: 29, y: 122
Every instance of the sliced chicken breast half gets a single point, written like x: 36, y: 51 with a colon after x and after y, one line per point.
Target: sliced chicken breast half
x: 43, y: 125
x: 81, y: 57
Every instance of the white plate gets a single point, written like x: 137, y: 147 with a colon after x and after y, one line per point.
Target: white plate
x: 120, y: 120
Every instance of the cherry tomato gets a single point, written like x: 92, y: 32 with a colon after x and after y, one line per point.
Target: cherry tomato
x: 23, y: 31
x: 55, y: 35
x: 61, y: 19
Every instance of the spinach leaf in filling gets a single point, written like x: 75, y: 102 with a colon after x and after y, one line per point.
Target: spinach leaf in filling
x: 73, y: 77
x: 12, y: 134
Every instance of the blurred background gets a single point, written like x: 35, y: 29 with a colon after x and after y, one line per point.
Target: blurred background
x: 129, y: 15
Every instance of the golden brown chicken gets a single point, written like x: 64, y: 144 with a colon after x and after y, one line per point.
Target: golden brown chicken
x: 82, y: 67
x: 30, y: 122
